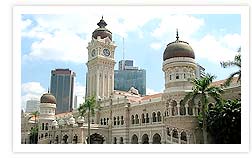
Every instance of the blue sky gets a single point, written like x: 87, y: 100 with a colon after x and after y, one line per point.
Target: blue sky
x: 50, y: 41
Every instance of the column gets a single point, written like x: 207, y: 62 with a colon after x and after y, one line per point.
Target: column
x: 170, y: 110
x: 97, y: 83
x: 179, y: 138
x: 194, y: 113
x: 171, y: 135
x: 178, y: 107
x: 186, y: 107
x: 188, y: 139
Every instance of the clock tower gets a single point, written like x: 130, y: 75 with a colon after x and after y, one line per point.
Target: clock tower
x: 100, y: 75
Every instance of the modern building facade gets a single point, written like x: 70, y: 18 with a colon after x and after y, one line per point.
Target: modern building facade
x: 129, y: 76
x: 32, y: 105
x: 200, y: 71
x: 127, y: 117
x: 62, y: 87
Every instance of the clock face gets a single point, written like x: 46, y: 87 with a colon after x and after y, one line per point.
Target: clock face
x: 106, y: 52
x: 93, y: 53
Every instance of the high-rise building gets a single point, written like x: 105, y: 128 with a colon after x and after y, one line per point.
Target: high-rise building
x: 32, y: 105
x: 129, y: 76
x: 62, y: 86
x: 200, y: 71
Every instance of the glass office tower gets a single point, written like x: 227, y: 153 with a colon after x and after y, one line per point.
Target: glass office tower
x: 62, y: 86
x: 129, y: 76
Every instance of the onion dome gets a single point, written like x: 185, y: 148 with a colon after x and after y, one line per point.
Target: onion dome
x: 178, y: 49
x: 48, y: 98
x: 80, y: 119
x: 71, y: 120
x: 102, y: 31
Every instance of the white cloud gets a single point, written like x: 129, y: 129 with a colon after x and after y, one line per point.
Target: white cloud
x: 32, y: 87
x: 31, y: 90
x: 61, y: 46
x: 211, y: 48
x: 156, y: 46
x: 150, y: 91
x: 170, y: 23
x: 25, y: 24
x: 232, y: 41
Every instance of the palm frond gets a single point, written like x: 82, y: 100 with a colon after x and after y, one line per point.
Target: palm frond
x: 230, y: 78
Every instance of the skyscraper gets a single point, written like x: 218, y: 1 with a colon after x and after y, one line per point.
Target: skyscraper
x: 32, y: 105
x: 129, y: 76
x: 62, y: 86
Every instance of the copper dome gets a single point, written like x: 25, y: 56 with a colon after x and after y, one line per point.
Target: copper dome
x: 178, y: 49
x: 102, y: 31
x: 48, y: 98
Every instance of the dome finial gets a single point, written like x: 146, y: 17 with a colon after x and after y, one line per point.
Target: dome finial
x: 177, y: 36
x: 102, y: 23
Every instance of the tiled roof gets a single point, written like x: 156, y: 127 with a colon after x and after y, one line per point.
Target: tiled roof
x: 147, y: 97
x: 221, y: 82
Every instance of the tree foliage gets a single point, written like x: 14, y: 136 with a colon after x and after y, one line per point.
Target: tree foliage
x: 235, y: 63
x: 202, y: 91
x: 224, y: 122
x: 88, y: 107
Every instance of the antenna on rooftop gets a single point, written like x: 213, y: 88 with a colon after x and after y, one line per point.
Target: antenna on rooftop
x: 123, y: 48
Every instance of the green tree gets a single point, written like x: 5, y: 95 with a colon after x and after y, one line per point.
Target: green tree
x: 88, y: 107
x: 34, y: 130
x: 202, y: 91
x: 235, y: 63
x: 224, y: 122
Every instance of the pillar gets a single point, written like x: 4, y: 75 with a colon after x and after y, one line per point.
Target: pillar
x: 179, y: 138
x: 186, y: 108
x: 178, y: 107
x: 188, y: 139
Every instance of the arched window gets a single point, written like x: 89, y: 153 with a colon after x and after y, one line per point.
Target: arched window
x: 182, y: 108
x: 107, y: 121
x: 46, y: 135
x: 170, y: 77
x: 174, y: 108
x: 184, y: 76
x: 156, y: 139
x: 143, y: 119
x: 168, y: 131
x: 118, y: 120
x: 183, y: 136
x: 154, y: 119
x: 42, y: 135
x: 101, y: 122
x: 114, y: 121
x: 147, y: 118
x: 46, y: 127
x: 121, y: 140
x: 136, y: 119
x: 115, y: 140
x: 175, y: 133
x: 122, y: 121
x: 43, y: 126
x: 132, y: 119
x: 134, y: 139
x: 104, y: 120
x: 190, y: 107
x: 177, y: 76
x: 158, y: 116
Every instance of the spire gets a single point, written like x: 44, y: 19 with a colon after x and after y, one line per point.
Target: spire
x: 177, y: 36
x: 102, y: 23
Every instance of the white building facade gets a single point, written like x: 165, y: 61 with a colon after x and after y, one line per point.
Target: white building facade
x: 126, y: 117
